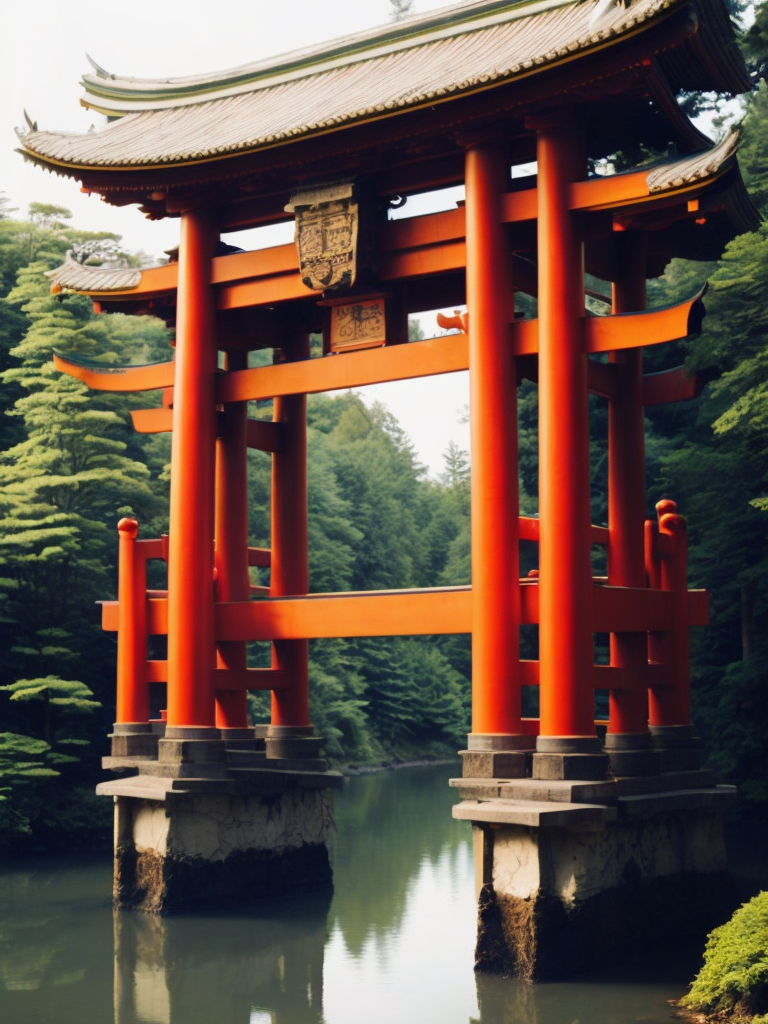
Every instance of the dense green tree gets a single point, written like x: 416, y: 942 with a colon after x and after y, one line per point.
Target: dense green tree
x: 711, y: 455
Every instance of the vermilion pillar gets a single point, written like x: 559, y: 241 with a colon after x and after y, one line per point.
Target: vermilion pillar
x: 565, y: 627
x: 132, y: 689
x: 231, y: 529
x: 493, y: 426
x: 191, y: 656
x: 626, y: 496
x: 290, y: 566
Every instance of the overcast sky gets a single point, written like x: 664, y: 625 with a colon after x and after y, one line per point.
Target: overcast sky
x: 45, y: 42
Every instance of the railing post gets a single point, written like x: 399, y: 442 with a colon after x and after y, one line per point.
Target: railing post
x: 670, y: 705
x: 132, y: 734
x: 132, y: 689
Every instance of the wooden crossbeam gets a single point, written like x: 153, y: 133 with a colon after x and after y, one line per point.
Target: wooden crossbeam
x: 414, y: 613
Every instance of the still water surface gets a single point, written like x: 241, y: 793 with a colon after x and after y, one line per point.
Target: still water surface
x: 394, y: 946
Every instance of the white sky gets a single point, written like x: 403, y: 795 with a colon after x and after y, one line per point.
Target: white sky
x: 44, y: 58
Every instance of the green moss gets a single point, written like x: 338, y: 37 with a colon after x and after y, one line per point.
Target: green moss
x: 733, y: 983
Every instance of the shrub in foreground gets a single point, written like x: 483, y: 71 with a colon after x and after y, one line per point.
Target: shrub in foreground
x: 733, y: 983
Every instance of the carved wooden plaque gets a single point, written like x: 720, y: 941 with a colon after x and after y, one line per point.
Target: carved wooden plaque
x: 358, y: 325
x: 327, y: 226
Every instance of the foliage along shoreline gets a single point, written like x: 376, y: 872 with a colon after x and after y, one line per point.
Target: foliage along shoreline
x: 732, y: 985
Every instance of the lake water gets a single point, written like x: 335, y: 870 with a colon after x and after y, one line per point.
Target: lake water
x: 394, y: 946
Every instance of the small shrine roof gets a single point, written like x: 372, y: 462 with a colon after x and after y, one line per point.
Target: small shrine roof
x: 674, y: 174
x: 80, y: 277
x: 459, y: 50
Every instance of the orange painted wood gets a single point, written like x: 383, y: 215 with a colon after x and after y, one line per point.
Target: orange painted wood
x: 260, y: 556
x: 417, y: 232
x: 525, y: 337
x: 565, y: 627
x: 393, y: 613
x: 519, y: 206
x: 350, y: 369
x: 242, y: 266
x: 120, y: 378
x: 231, y: 542
x: 132, y: 693
x: 612, y: 191
x: 156, y: 672
x: 191, y: 652
x: 529, y: 673
x: 152, y: 421
x: 530, y: 529
x: 636, y: 330
x: 157, y: 616
x: 262, y: 291
x: 493, y: 445
x: 628, y: 609
x: 403, y: 613
x: 264, y: 435
x: 602, y: 379
x: 154, y: 547
x: 628, y: 710
x: 289, y: 573
x: 239, y: 680
x: 671, y: 707
x: 670, y: 386
x: 436, y: 259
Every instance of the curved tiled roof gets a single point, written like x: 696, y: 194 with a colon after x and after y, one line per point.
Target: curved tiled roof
x: 457, y: 51
x: 81, y: 278
x: 694, y: 168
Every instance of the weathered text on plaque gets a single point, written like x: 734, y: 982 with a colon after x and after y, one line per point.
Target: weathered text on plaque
x: 327, y: 228
x: 360, y: 324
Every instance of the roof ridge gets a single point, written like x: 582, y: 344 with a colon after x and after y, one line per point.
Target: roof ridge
x: 128, y: 93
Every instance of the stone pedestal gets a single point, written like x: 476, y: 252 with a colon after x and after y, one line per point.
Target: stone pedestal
x: 574, y: 874
x: 185, y: 844
x: 217, y: 820
x: 497, y: 755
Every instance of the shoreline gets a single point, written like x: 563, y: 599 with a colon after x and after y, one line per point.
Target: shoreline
x: 352, y: 770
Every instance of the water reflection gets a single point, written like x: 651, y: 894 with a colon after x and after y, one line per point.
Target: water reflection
x: 235, y: 970
x: 508, y: 1001
x: 395, y: 945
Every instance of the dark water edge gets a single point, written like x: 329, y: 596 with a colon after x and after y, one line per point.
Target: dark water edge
x: 395, y: 944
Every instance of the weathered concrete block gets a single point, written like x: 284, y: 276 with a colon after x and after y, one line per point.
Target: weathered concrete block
x: 586, y: 891
x: 142, y: 745
x: 569, y: 766
x: 193, y: 850
x: 495, y: 764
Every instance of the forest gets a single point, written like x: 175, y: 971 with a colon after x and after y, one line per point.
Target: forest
x: 71, y: 466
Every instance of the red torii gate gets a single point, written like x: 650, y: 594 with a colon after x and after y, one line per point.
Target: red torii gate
x: 208, y: 474
x: 458, y: 96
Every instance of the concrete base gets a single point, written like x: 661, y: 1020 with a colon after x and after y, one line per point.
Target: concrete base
x: 188, y: 844
x: 213, y: 820
x: 497, y: 756
x: 571, y: 874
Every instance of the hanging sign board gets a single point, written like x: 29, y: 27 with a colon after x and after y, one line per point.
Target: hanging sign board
x: 327, y: 229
